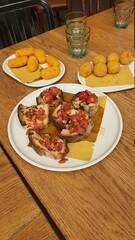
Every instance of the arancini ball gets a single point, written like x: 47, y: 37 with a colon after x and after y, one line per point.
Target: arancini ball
x: 113, y: 67
x: 100, y: 69
x: 85, y: 69
x: 126, y: 57
x: 113, y: 57
x: 98, y: 59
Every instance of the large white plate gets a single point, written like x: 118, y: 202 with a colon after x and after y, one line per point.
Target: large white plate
x: 39, y: 83
x: 111, y: 124
x: 110, y: 88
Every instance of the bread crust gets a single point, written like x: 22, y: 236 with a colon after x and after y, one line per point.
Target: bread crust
x: 33, y: 117
x: 47, y: 145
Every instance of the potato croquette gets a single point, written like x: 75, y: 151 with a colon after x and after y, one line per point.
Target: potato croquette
x: 50, y: 72
x: 32, y: 64
x: 24, y: 52
x: 98, y: 59
x: 17, y: 62
x: 126, y: 57
x: 40, y: 55
x: 100, y: 69
x: 113, y: 67
x: 113, y: 57
x: 52, y: 61
x: 85, y: 69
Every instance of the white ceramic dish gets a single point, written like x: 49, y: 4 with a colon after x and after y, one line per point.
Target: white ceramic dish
x: 39, y: 83
x: 110, y: 88
x: 103, y: 147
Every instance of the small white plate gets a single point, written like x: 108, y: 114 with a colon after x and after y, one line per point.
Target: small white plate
x: 111, y: 127
x: 110, y: 88
x: 39, y: 83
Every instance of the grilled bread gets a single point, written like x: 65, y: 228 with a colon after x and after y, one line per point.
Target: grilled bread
x: 87, y: 101
x: 34, y: 117
x: 52, y: 96
x: 73, y: 124
x: 48, y: 145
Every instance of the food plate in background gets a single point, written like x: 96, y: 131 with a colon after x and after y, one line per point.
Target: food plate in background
x: 37, y: 83
x: 110, y: 88
x: 104, y: 145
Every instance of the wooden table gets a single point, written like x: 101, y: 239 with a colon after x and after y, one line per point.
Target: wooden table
x: 96, y: 203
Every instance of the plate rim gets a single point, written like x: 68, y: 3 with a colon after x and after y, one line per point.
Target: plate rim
x: 48, y: 82
x: 74, y: 168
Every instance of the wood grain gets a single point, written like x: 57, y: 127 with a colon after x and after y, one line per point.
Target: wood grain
x: 96, y: 203
x: 20, y: 217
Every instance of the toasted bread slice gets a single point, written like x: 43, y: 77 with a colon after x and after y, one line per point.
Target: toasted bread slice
x: 34, y: 117
x: 87, y: 101
x: 52, y: 96
x: 47, y: 145
x: 73, y: 124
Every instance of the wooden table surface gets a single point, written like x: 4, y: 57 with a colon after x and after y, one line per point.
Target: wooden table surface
x: 96, y: 203
x: 20, y: 216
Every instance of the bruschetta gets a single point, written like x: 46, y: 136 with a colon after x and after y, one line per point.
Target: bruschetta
x: 52, y: 96
x: 34, y: 117
x: 73, y: 124
x: 47, y: 145
x: 87, y: 101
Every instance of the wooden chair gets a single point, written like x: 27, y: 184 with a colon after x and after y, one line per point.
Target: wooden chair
x: 90, y: 6
x: 58, y: 6
x: 21, y: 20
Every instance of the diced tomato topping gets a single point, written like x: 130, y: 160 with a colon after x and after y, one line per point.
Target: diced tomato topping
x: 48, y: 97
x: 50, y: 94
x: 61, y: 115
x: 55, y: 91
x: 78, y: 122
x: 51, y: 143
x: 34, y: 114
x: 58, y: 146
x: 88, y: 97
x: 63, y: 160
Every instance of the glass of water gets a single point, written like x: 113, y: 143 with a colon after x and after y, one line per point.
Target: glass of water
x: 77, y: 41
x: 75, y: 19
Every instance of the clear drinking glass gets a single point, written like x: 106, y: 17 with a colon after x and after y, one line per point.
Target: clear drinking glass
x: 75, y: 20
x: 123, y: 10
x: 77, y: 42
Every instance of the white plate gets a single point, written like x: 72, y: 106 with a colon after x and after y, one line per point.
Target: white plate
x: 111, y: 124
x: 39, y: 83
x: 110, y: 88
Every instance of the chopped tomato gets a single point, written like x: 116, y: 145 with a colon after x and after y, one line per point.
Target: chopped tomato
x: 88, y: 97
x: 58, y: 146
x: 54, y: 91
x: 63, y: 160
x: 92, y: 98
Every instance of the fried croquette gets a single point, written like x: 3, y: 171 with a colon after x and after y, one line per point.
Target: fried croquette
x: 17, y: 62
x: 98, y: 59
x: 85, y: 69
x: 40, y: 55
x: 24, y: 52
x: 50, y: 72
x: 32, y: 64
x: 126, y: 57
x: 52, y: 61
x: 100, y: 69
x: 113, y: 57
x: 113, y: 67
